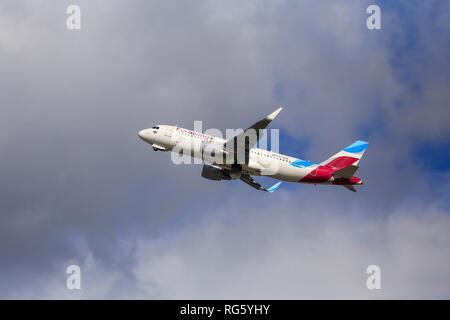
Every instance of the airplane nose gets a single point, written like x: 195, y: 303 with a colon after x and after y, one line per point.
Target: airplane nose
x: 141, y: 134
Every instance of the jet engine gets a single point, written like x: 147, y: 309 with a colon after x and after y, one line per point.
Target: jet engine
x: 213, y: 173
x: 235, y: 171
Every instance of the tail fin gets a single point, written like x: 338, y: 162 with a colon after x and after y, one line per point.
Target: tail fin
x: 349, y: 156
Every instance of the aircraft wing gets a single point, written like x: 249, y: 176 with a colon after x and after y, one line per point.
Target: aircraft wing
x: 253, y: 183
x: 253, y: 134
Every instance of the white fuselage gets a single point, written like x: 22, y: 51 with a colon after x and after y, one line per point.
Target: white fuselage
x: 261, y: 162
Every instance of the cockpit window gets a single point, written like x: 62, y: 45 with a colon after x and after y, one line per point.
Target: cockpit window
x: 155, y: 127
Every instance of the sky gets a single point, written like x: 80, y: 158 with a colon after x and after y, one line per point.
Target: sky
x: 78, y: 186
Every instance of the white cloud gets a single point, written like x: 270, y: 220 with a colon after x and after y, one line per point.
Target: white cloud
x: 291, y: 250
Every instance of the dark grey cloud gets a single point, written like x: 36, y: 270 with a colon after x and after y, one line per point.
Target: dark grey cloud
x: 78, y: 186
x: 312, y: 252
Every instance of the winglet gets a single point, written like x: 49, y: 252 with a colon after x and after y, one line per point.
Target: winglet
x: 274, y: 187
x: 272, y: 116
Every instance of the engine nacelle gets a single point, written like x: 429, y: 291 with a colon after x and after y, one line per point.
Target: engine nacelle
x: 213, y: 173
x: 235, y: 171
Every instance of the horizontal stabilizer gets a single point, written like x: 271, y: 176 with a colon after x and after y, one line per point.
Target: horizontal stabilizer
x: 346, y: 172
x: 350, y: 187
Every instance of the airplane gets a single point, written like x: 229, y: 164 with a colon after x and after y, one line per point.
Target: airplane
x: 238, y: 159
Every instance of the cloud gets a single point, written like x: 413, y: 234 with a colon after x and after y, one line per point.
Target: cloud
x: 275, y: 252
x: 293, y: 251
x: 77, y: 183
